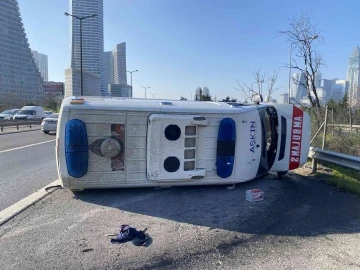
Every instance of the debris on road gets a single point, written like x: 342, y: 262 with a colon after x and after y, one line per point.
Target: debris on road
x: 231, y: 187
x: 128, y: 233
x: 254, y: 195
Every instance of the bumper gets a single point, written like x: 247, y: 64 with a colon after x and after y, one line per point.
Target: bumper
x: 48, y: 127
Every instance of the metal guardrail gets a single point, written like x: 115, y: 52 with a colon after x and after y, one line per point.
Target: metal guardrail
x: 317, y: 154
x: 18, y: 123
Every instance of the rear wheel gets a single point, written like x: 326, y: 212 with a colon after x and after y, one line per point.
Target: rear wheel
x: 281, y: 174
x: 46, y: 132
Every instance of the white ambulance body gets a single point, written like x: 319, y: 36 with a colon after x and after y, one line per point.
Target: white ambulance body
x: 125, y: 142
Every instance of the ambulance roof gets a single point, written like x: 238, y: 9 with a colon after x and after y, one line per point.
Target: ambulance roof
x: 157, y: 105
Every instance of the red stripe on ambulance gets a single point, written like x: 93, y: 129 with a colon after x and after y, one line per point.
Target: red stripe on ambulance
x: 296, y: 134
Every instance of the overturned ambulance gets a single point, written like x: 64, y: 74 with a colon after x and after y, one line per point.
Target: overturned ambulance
x: 125, y: 142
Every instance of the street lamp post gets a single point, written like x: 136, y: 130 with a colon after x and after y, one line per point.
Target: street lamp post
x: 81, y: 62
x: 153, y: 94
x: 291, y: 48
x: 145, y: 87
x: 131, y: 72
x: 261, y: 82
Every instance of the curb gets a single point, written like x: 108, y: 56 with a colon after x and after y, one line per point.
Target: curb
x: 13, y: 210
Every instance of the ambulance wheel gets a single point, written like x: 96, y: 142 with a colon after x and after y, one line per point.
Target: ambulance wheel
x: 281, y: 174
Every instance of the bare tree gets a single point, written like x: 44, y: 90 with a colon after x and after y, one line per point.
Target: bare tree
x: 302, y: 34
x: 259, y: 78
x: 271, y: 83
x: 247, y: 90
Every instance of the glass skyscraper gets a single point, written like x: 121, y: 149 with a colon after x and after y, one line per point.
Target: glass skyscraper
x: 115, y: 65
x: 298, y: 90
x: 19, y: 75
x: 92, y: 39
x: 41, y: 61
x: 353, y: 77
x: 119, y: 63
x: 108, y: 68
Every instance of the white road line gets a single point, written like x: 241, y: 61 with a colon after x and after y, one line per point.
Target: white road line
x: 13, y: 210
x: 21, y: 147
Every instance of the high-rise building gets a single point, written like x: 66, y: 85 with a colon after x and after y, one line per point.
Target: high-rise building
x: 318, y: 77
x: 92, y: 41
x: 119, y: 90
x: 325, y: 91
x: 108, y: 68
x: 19, y: 76
x: 340, y: 89
x: 115, y: 65
x: 353, y: 77
x: 41, y: 61
x: 119, y: 63
x: 91, y: 83
x: 298, y: 90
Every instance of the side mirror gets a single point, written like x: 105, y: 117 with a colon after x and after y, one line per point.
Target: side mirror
x: 256, y: 98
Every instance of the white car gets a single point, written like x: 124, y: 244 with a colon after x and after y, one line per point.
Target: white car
x: 49, y: 123
x: 47, y: 113
x: 8, y: 114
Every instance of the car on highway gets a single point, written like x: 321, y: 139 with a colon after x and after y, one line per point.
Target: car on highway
x: 127, y: 142
x: 49, y: 124
x: 30, y: 112
x: 8, y: 114
x: 47, y: 113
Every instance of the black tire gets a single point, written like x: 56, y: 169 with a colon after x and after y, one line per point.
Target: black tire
x: 281, y: 174
x: 46, y: 132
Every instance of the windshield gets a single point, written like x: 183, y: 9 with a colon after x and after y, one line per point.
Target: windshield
x: 269, y: 130
x: 6, y: 112
x: 27, y: 112
x: 53, y: 115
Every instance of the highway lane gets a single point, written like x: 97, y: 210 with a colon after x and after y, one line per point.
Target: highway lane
x: 24, y: 170
x: 14, y: 140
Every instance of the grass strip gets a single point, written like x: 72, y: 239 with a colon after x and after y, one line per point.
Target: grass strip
x: 347, y: 179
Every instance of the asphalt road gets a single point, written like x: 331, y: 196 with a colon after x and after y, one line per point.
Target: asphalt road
x: 302, y: 223
x: 24, y: 167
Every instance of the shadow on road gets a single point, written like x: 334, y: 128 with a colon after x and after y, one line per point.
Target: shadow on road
x: 293, y: 206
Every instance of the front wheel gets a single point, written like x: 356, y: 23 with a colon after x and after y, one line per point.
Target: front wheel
x: 281, y: 174
x: 46, y: 132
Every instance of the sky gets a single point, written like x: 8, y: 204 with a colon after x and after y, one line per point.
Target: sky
x: 180, y: 45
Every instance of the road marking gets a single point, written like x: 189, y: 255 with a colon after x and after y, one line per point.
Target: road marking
x: 16, y: 208
x: 21, y: 147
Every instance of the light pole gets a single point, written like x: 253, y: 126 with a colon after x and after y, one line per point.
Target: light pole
x: 145, y: 87
x: 81, y: 64
x: 291, y: 47
x: 131, y: 72
x: 153, y: 94
x: 261, y: 82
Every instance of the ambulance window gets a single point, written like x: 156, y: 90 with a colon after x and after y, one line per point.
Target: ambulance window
x: 189, y: 154
x: 190, y: 130
x: 283, y: 138
x: 190, y: 142
x: 189, y: 165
